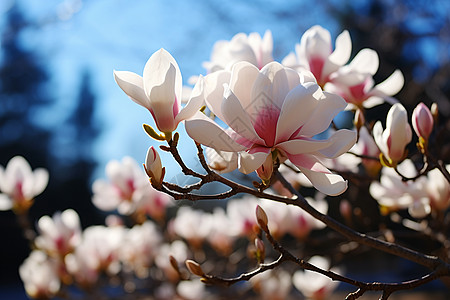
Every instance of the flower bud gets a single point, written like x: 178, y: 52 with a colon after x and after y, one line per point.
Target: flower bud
x: 261, y: 217
x: 260, y: 250
x: 422, y: 121
x: 265, y: 170
x: 194, y: 268
x: 153, y: 166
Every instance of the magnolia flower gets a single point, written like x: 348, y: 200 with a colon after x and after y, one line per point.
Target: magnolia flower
x: 313, y: 285
x: 191, y: 289
x: 314, y: 53
x: 19, y: 184
x: 159, y: 90
x: 153, y: 166
x: 242, y: 215
x: 438, y: 189
x: 251, y: 48
x: 273, y: 112
x: 179, y: 251
x: 97, y: 253
x: 59, y: 235
x: 272, y: 284
x: 192, y: 225
x: 354, y: 82
x: 39, y: 274
x: 127, y: 189
x: 422, y: 121
x: 221, y: 234
x: 393, y: 140
x: 392, y: 193
x: 140, y: 245
x: 366, y: 146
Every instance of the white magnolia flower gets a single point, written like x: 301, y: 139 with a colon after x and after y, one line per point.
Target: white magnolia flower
x: 39, y: 274
x: 60, y: 234
x: 273, y: 111
x: 315, y: 53
x: 127, y: 189
x: 251, y: 48
x: 192, y: 225
x: 191, y: 289
x: 392, y: 193
x: 272, y: 284
x: 139, y: 247
x: 19, y: 184
x: 178, y: 250
x: 241, y: 212
x: 159, y: 90
x: 354, y: 82
x: 393, y: 140
x: 313, y: 285
x: 97, y: 253
x: 438, y: 189
x: 221, y: 235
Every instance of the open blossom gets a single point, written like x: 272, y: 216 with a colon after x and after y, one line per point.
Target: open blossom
x: 127, y: 189
x: 19, y: 184
x: 354, y: 82
x: 438, y: 189
x: 39, y: 274
x: 252, y: 48
x: 392, y: 193
x: 393, y: 140
x: 313, y: 285
x: 59, y: 235
x: 273, y: 111
x: 422, y: 121
x: 315, y: 53
x: 159, y: 90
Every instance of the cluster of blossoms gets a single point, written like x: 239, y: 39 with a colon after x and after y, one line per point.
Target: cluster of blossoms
x: 252, y: 114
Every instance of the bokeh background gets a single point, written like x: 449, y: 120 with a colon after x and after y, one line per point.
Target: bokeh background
x: 61, y: 109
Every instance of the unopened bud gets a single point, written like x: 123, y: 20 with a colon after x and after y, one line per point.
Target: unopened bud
x: 265, y: 170
x: 261, y: 218
x: 174, y: 263
x: 153, y: 166
x: 260, y: 250
x: 422, y: 121
x: 435, y: 112
x: 194, y: 268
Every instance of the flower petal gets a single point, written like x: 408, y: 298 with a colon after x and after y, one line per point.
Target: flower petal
x: 391, y: 86
x: 206, y: 132
x: 5, y: 202
x: 297, y: 107
x: 340, y: 142
x: 195, y: 102
x: 302, y: 146
x: 40, y: 181
x: 132, y: 84
x: 243, y: 76
x: 343, y: 49
x: 327, y: 183
x: 214, y: 89
x: 236, y: 117
x: 366, y: 61
x: 250, y: 162
x: 327, y: 108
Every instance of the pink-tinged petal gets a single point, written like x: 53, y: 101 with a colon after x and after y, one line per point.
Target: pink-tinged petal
x: 250, y: 162
x: 340, y: 142
x: 153, y: 165
x: 321, y: 178
x: 236, y: 117
x: 297, y: 107
x: 105, y: 198
x: 315, y: 42
x: 221, y: 161
x: 243, y: 77
x: 366, y: 61
x: 206, y: 132
x: 133, y: 86
x: 161, y: 70
x: 214, y: 89
x: 343, y: 49
x: 422, y: 121
x: 327, y: 108
x: 301, y: 146
x: 391, y: 86
x: 195, y: 102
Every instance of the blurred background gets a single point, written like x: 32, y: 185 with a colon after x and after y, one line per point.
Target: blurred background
x: 61, y: 109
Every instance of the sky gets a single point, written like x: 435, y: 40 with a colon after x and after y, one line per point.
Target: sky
x: 105, y: 35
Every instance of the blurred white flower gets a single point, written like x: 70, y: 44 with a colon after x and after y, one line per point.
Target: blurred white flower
x: 39, y: 274
x: 191, y: 290
x: 178, y: 250
x: 392, y: 193
x: 221, y: 235
x: 139, y: 247
x: 60, y: 234
x: 128, y: 190
x: 19, y: 184
x: 252, y: 48
x: 438, y: 189
x: 192, y: 225
x: 313, y: 285
x: 241, y: 212
x: 272, y: 284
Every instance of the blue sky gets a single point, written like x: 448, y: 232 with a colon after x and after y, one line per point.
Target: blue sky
x: 107, y: 35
